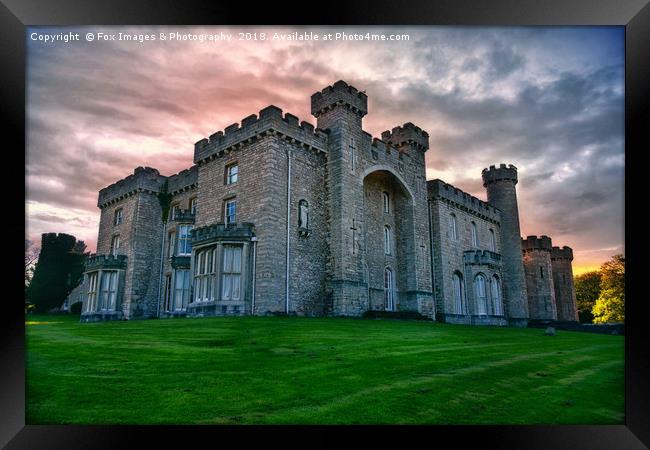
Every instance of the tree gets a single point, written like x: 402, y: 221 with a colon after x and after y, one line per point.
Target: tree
x: 31, y: 256
x: 610, y: 306
x: 58, y: 271
x: 587, y: 288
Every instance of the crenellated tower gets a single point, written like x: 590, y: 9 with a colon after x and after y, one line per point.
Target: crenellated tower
x: 339, y: 110
x: 500, y: 183
x: 565, y: 293
x: 539, y: 277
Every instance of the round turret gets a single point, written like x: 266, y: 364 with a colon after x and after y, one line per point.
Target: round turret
x: 502, y: 194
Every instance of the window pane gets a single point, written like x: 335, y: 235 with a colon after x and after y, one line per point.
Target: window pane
x: 236, y: 260
x: 235, y: 286
x: 226, y: 287
x: 227, y: 259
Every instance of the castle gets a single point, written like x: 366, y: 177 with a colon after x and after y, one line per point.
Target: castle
x: 276, y: 216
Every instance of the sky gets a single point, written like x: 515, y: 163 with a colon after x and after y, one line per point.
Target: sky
x: 549, y: 100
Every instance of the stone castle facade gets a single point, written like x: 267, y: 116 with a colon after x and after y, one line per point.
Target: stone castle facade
x: 279, y: 217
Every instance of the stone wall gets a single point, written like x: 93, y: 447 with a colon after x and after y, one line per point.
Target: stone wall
x: 539, y: 277
x: 565, y: 294
x: 461, y: 255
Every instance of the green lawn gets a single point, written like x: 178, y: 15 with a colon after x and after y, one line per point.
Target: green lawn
x: 279, y: 370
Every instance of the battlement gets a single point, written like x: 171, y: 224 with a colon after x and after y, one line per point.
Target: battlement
x: 481, y: 257
x: 340, y: 93
x: 536, y: 243
x: 183, y: 180
x: 270, y: 121
x: 407, y: 134
x: 207, y: 234
x: 97, y: 262
x: 143, y: 179
x: 562, y: 253
x: 438, y: 189
x: 503, y: 172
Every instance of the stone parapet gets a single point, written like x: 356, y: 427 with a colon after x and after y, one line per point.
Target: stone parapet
x: 271, y: 121
x: 562, y: 253
x: 340, y: 93
x: 183, y: 180
x: 143, y: 179
x: 503, y: 172
x: 542, y: 243
x: 219, y: 231
x: 407, y: 134
x: 438, y: 189
x: 481, y: 257
x: 96, y: 262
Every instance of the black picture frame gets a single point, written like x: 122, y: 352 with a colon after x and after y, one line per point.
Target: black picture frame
x: 15, y: 15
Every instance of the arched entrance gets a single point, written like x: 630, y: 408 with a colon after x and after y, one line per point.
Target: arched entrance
x: 389, y: 241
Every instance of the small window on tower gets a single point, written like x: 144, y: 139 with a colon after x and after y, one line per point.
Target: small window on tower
x: 232, y: 173
x: 541, y: 271
x: 118, y: 216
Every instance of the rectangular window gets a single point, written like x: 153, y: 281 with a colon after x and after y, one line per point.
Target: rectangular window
x: 91, y: 294
x: 118, y: 216
x: 230, y: 212
x: 184, y: 246
x: 204, y: 275
x: 541, y: 271
x: 232, y: 173
x: 193, y: 205
x: 115, y: 244
x: 171, y: 243
x: 453, y: 230
x: 108, y: 295
x: 181, y: 289
x: 174, y: 211
x: 231, y: 273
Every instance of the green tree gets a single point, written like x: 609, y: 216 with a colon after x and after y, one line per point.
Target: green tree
x: 610, y: 306
x: 587, y: 288
x: 58, y: 271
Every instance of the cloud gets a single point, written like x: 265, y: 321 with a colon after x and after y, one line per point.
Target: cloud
x: 549, y: 100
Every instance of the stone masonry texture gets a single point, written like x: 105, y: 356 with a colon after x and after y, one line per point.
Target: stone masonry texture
x: 338, y: 176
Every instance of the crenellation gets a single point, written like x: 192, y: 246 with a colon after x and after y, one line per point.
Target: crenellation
x: 407, y: 134
x: 252, y: 127
x: 143, y: 179
x: 323, y: 219
x: 536, y: 243
x: 183, y: 180
x: 340, y: 93
x: 439, y: 189
x: 562, y: 253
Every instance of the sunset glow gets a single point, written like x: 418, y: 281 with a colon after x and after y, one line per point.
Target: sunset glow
x: 547, y: 99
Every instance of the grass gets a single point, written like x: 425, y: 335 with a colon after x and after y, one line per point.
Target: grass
x: 288, y: 370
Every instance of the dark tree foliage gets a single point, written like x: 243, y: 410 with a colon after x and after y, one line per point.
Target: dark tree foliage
x: 58, y: 270
x: 587, y: 288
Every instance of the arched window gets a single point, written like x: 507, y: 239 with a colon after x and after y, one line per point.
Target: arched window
x: 497, y: 305
x: 453, y: 229
x: 457, y: 280
x: 493, y: 241
x: 474, y: 235
x: 303, y: 214
x: 481, y: 296
x: 389, y: 302
x: 386, y: 198
x: 387, y: 239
